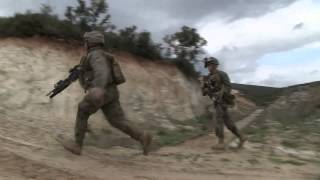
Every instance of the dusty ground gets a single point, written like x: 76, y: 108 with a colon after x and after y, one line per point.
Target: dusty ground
x: 36, y: 155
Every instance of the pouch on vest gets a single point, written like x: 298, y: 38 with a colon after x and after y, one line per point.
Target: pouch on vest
x: 118, y: 76
x: 117, y: 73
x: 229, y: 99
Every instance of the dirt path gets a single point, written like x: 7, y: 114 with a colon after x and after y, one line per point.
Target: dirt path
x: 35, y: 155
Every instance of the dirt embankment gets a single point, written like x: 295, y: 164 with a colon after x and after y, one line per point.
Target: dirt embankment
x: 156, y: 96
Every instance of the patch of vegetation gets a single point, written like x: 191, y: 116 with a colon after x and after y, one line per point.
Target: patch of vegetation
x: 264, y: 96
x: 257, y: 135
x: 290, y: 143
x: 260, y: 95
x: 312, y: 84
x: 200, y: 122
x: 297, y: 120
x: 314, y: 161
x: 257, y: 132
x: 186, y: 46
x: 187, y: 68
x: 287, y: 161
x: 174, y: 137
x: 78, y: 20
x: 170, y: 138
x: 299, y: 117
x: 196, y: 127
x: 32, y: 24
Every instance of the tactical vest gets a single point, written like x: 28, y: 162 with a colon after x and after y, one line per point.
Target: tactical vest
x: 214, y: 80
x: 216, y: 85
x: 87, y: 75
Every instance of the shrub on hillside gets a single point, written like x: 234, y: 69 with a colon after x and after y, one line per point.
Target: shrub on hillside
x: 46, y: 25
x: 32, y: 24
x: 187, y: 46
x: 187, y: 68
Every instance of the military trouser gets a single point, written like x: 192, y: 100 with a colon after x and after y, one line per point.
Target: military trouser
x: 223, y: 118
x: 110, y: 105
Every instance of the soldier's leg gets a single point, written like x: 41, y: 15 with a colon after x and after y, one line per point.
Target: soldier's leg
x: 115, y: 115
x: 219, y: 127
x: 229, y: 122
x: 85, y: 109
x: 232, y: 126
x: 91, y: 103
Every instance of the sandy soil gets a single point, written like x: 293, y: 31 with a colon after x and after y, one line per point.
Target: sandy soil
x: 38, y: 156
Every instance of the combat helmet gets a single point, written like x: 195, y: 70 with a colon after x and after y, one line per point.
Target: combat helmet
x: 210, y: 60
x: 94, y: 37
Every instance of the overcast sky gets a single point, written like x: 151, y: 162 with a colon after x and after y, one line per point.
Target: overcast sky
x: 265, y: 42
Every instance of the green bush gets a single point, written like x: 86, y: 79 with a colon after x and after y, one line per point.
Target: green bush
x: 187, y: 68
x: 144, y: 46
x: 50, y: 26
x: 32, y: 24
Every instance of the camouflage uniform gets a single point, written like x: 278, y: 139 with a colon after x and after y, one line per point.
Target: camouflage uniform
x: 221, y: 92
x: 102, y: 93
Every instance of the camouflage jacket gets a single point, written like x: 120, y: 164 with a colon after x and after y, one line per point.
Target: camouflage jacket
x: 96, y: 71
x: 217, y: 83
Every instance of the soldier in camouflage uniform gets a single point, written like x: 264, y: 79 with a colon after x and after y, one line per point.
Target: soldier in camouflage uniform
x: 101, y: 93
x: 217, y: 86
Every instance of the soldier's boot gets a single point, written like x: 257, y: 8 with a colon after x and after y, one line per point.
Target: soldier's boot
x: 73, y: 147
x: 70, y: 145
x: 242, y: 140
x: 146, y: 140
x: 219, y: 146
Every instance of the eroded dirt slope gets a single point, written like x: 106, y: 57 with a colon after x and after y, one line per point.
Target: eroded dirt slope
x: 157, y: 95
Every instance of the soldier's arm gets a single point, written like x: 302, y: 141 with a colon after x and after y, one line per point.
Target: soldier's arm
x: 226, y: 82
x: 101, y: 70
x: 204, y: 86
x: 81, y: 79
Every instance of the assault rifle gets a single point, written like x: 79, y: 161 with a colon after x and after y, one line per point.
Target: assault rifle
x: 63, y: 84
x: 212, y: 90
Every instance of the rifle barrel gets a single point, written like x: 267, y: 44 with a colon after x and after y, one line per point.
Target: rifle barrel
x: 63, y: 84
